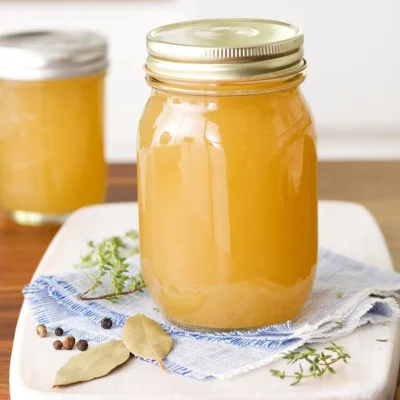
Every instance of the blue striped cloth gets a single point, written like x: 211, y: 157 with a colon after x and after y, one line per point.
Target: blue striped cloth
x: 53, y: 300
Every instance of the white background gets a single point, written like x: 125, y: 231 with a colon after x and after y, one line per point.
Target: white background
x: 352, y: 47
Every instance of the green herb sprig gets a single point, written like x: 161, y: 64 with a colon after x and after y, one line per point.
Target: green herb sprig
x: 319, y: 362
x: 109, y: 256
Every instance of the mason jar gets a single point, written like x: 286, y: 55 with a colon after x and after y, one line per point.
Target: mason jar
x: 227, y: 174
x: 51, y: 123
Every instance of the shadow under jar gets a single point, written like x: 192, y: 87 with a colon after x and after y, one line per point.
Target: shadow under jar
x: 51, y: 124
x: 227, y: 173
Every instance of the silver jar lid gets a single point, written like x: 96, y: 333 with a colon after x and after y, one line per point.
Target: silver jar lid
x: 225, y: 50
x: 44, y: 55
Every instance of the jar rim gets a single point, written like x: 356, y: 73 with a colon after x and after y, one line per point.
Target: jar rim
x: 225, y: 88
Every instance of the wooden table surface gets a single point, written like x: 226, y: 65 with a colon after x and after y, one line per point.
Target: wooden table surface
x: 373, y: 184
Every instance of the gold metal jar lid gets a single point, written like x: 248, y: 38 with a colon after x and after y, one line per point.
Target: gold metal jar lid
x: 44, y: 55
x: 225, y: 50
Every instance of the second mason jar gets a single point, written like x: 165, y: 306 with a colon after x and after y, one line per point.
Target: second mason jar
x: 51, y: 123
x: 227, y: 174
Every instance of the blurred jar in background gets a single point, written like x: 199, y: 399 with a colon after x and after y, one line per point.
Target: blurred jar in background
x: 51, y: 124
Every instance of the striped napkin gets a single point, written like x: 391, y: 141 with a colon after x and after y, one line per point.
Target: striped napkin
x: 367, y: 295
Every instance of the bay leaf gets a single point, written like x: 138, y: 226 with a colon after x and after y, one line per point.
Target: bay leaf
x: 93, y: 363
x: 145, y: 338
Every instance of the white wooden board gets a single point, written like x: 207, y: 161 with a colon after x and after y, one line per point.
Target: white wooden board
x: 372, y: 373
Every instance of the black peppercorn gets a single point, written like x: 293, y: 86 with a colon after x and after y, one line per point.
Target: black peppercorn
x: 59, y: 332
x: 106, y: 323
x: 82, y: 345
x: 41, y: 330
x: 58, y: 345
x: 68, y: 343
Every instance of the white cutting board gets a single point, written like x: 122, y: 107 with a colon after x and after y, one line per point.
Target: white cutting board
x: 371, y: 374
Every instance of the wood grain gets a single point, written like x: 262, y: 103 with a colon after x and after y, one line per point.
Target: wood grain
x: 376, y: 185
x: 373, y: 184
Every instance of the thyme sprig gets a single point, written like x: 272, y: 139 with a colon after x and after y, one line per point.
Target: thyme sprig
x: 110, y: 257
x: 319, y: 362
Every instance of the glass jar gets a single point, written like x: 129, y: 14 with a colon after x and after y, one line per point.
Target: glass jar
x: 51, y: 124
x: 227, y: 175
